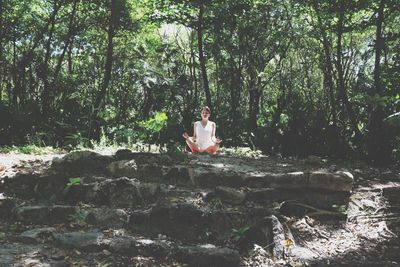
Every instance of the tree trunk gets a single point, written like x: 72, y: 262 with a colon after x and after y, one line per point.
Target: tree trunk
x: 19, y: 68
x: 95, y: 129
x: 235, y: 87
x: 340, y: 84
x: 67, y: 41
x: 45, y: 75
x: 2, y: 59
x: 70, y: 56
x: 14, y: 97
x: 193, y: 61
x: 254, y: 101
x: 378, y: 145
x: 201, y: 56
x: 328, y: 66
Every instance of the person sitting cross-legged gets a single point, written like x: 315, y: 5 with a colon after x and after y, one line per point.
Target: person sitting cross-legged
x: 203, y: 139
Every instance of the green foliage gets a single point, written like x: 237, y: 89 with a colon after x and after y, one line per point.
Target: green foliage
x: 72, y: 182
x: 266, y: 63
x: 156, y: 123
x: 238, y: 234
x: 340, y: 208
x: 153, y: 127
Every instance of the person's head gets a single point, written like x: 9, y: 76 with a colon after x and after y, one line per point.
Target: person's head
x: 205, y: 112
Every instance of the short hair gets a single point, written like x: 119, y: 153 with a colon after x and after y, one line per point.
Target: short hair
x: 207, y: 108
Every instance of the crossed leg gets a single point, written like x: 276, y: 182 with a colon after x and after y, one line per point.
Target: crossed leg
x: 212, y: 150
x: 192, y: 144
x: 195, y: 148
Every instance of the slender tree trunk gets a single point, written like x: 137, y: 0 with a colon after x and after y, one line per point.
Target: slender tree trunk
x: 15, y: 92
x: 95, y: 129
x: 201, y: 56
x: 196, y: 91
x: 70, y: 69
x: 254, y: 98
x: 2, y: 59
x: 378, y: 145
x: 67, y: 41
x: 336, y: 146
x: 340, y: 83
x: 328, y: 66
x: 45, y: 75
x: 235, y: 87
x: 19, y: 68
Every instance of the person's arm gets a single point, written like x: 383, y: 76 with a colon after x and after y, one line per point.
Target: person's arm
x: 213, y: 138
x: 194, y: 131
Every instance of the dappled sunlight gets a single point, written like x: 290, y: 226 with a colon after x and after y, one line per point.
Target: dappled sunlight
x: 215, y: 206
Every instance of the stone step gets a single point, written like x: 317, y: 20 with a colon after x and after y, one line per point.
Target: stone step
x: 204, y: 171
x: 97, y: 241
x: 182, y: 219
x: 44, y: 214
x: 118, y: 192
x: 211, y: 176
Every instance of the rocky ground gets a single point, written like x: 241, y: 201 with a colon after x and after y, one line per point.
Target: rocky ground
x: 141, y: 209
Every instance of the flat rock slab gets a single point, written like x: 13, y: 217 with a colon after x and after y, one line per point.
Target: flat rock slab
x: 83, y: 161
x: 107, y: 217
x: 117, y: 192
x: 208, y: 255
x: 88, y: 241
x: 208, y: 171
x: 37, y: 235
x: 195, y: 255
x: 44, y: 214
x: 211, y: 176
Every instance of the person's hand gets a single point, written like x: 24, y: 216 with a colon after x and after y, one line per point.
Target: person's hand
x: 218, y: 141
x: 185, y: 135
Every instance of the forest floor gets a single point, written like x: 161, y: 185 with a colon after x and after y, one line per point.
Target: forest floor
x: 368, y: 236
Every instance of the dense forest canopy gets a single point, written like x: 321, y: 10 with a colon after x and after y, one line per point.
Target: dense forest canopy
x: 295, y: 77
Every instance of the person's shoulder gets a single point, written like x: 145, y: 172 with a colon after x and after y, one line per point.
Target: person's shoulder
x: 212, y: 123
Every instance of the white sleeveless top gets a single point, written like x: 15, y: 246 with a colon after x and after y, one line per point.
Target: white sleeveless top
x: 204, y: 134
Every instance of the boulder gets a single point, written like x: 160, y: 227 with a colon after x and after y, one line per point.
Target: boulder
x: 267, y: 232
x: 107, y: 218
x: 123, y: 245
x: 37, y: 235
x: 44, y: 214
x: 79, y: 162
x: 230, y: 195
x: 125, y: 192
x: 88, y: 241
x: 182, y: 220
x: 121, y: 168
x: 123, y: 154
x: 212, y: 176
x: 176, y: 175
x: 285, y: 180
x: 338, y: 181
x: 154, y: 248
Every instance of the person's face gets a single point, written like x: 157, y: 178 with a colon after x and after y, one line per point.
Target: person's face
x: 205, y: 114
